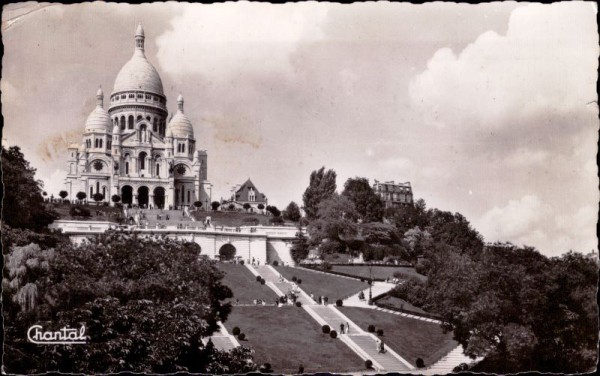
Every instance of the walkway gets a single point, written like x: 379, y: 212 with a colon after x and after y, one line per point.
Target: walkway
x: 378, y: 288
x: 361, y: 342
x: 447, y: 364
x: 222, y: 339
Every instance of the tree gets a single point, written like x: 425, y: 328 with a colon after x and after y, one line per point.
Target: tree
x: 336, y: 221
x: 321, y: 187
x: 98, y: 197
x: 198, y: 204
x: 145, y: 303
x: 367, y: 203
x: 231, y: 206
x: 215, y: 205
x: 63, y: 194
x: 247, y: 206
x: 22, y: 205
x: 116, y: 198
x: 300, y: 248
x: 292, y: 212
x: 260, y: 206
x: 273, y: 210
x: 81, y: 196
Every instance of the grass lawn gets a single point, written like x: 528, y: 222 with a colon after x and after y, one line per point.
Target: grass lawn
x: 110, y: 213
x: 287, y: 337
x: 329, y: 285
x: 410, y: 338
x: 400, y: 303
x: 244, y: 286
x: 378, y: 271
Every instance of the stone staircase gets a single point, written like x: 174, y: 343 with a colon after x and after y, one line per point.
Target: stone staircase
x: 447, y: 363
x: 222, y: 339
x: 282, y: 285
x: 363, y: 343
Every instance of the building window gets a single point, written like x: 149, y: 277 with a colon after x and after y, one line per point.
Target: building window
x: 104, y: 191
x: 132, y: 96
x: 155, y: 125
x: 130, y: 122
x: 148, y: 96
x: 91, y: 191
x: 143, y: 161
x: 251, y: 195
x: 140, y: 96
x: 158, y: 169
x: 127, y: 168
x: 123, y: 96
x: 188, y: 196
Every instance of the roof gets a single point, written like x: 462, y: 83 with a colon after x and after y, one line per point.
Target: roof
x: 179, y: 125
x: 242, y: 193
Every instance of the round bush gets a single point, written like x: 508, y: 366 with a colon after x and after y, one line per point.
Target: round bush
x: 380, y: 332
x: 333, y: 334
x: 258, y: 278
x: 298, y: 304
x: 262, y: 281
x: 241, y: 336
x: 461, y: 368
x: 339, y: 303
x: 368, y: 364
x: 266, y: 368
x: 326, y: 329
x: 294, y: 279
x: 362, y: 279
x: 275, y: 263
x: 420, y: 363
x: 371, y: 328
x: 298, y: 281
x: 241, y: 262
x: 236, y: 331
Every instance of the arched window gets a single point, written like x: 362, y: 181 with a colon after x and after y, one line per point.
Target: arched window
x: 95, y: 142
x: 100, y: 143
x: 127, y: 168
x: 182, y: 194
x: 155, y: 126
x: 104, y: 191
x: 143, y: 160
x: 91, y: 191
x: 158, y: 169
x: 188, y: 196
x: 130, y: 122
x: 122, y: 123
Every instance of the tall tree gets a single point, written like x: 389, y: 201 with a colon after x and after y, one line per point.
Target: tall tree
x: 321, y: 187
x: 367, y: 203
x: 336, y: 221
x: 292, y: 212
x: 23, y: 204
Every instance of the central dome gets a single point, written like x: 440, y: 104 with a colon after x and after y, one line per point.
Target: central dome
x: 138, y: 73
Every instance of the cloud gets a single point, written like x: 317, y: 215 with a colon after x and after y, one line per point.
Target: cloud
x: 55, y: 182
x: 546, y: 62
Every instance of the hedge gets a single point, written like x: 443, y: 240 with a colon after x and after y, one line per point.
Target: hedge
x: 326, y: 329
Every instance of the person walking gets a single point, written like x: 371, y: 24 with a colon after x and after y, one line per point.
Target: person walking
x: 381, y: 347
x: 378, y: 344
x: 301, y: 369
x: 347, y: 327
x: 342, y: 328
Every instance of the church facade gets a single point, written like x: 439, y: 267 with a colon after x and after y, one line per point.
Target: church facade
x: 132, y: 151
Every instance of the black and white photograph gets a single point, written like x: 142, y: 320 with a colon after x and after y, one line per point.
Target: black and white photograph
x: 300, y: 188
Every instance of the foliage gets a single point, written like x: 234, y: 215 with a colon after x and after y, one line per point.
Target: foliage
x: 298, y: 304
x: 144, y: 303
x: 292, y: 212
x: 198, y: 204
x: 299, y: 281
x: 242, y: 336
x: 420, y: 363
x: 215, y: 205
x: 261, y: 206
x: 63, y: 194
x: 380, y: 332
x: 22, y: 202
x: 339, y: 302
x: 116, y: 198
x: 247, y: 206
x: 258, y: 278
x: 333, y: 334
x: 367, y: 203
x: 336, y: 221
x: 79, y: 211
x: 273, y: 210
x: 231, y: 206
x: 236, y: 330
x: 371, y: 328
x: 81, y: 196
x: 98, y: 197
x: 300, y: 247
x: 275, y: 263
x: 325, y: 329
x: 321, y: 187
x: 276, y: 220
x: 368, y: 364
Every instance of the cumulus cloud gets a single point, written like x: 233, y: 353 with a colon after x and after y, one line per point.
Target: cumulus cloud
x: 546, y: 61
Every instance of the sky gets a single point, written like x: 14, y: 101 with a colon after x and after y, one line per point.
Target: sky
x: 489, y: 110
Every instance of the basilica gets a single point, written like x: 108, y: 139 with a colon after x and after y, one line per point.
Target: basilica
x: 131, y: 153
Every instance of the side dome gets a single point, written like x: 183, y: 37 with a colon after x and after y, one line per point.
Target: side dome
x: 180, y: 126
x: 98, y: 120
x: 138, y: 73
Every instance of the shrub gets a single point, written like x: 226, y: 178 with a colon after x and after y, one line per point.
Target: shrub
x: 371, y: 328
x: 241, y: 262
x: 275, y: 263
x: 326, y: 266
x: 198, y: 204
x: 420, y: 363
x: 333, y: 334
x: 79, y: 211
x: 67, y: 201
x: 339, y: 302
x: 294, y: 279
x: 266, y: 368
x: 461, y: 368
x: 380, y: 332
x: 298, y: 281
x: 236, y: 331
x: 368, y: 363
x: 298, y: 304
x: 241, y: 336
x: 326, y: 329
x: 262, y: 281
x: 276, y: 220
x: 326, y: 299
x: 258, y: 278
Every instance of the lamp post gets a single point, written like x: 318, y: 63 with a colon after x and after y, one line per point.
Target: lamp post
x: 370, y: 283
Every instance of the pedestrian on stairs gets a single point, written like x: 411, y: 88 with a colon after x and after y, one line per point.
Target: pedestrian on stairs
x: 347, y: 327
x: 381, y: 347
x: 342, y: 328
x: 301, y: 369
x: 378, y: 344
